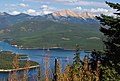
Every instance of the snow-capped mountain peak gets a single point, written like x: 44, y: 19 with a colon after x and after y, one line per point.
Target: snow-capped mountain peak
x: 71, y: 13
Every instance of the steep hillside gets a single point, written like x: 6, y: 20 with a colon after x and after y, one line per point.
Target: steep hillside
x: 39, y: 34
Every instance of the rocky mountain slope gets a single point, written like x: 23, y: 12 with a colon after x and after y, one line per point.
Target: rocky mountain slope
x: 69, y: 16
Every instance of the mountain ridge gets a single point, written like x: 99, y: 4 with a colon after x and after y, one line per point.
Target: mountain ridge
x: 69, y: 16
x: 65, y: 16
x: 72, y: 13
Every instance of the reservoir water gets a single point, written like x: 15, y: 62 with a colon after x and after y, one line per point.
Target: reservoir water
x: 39, y: 55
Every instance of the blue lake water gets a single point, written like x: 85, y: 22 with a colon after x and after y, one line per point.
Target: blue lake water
x: 39, y: 55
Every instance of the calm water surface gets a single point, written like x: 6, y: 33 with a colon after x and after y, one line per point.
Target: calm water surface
x: 39, y: 55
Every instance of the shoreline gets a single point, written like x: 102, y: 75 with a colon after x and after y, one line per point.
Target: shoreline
x: 52, y: 48
x: 10, y: 70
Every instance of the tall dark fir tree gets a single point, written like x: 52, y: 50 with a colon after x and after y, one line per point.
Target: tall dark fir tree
x: 111, y: 30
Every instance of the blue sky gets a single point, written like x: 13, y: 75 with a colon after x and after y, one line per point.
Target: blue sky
x: 39, y: 7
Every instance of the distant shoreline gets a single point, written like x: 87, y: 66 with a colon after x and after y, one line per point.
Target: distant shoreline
x: 53, y: 48
x: 45, y: 49
x: 50, y: 48
x: 87, y: 51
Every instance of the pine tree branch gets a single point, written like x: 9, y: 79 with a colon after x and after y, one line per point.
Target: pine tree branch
x: 114, y: 5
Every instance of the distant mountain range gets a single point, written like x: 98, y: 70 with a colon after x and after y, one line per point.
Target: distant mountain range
x: 59, y: 29
x: 64, y: 16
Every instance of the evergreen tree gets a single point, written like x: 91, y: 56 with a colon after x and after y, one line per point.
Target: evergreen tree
x: 77, y: 62
x: 111, y: 30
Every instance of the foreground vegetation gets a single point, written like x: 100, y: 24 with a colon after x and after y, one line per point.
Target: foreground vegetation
x: 78, y: 71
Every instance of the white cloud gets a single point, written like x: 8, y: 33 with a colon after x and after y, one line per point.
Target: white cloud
x: 44, y: 7
x: 23, y: 5
x: 46, y: 12
x: 99, y: 10
x: 15, y: 13
x: 15, y: 5
x: 78, y: 8
x: 88, y: 3
x: 31, y: 11
x: 74, y: 2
